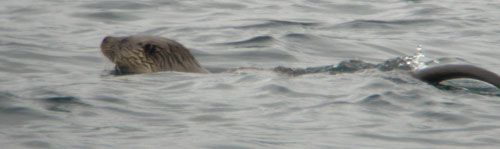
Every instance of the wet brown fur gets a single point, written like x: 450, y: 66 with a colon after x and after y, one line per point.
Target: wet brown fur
x: 146, y: 54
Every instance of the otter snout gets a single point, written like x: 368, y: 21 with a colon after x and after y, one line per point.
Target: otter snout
x: 106, y: 42
x: 107, y: 45
x: 107, y: 39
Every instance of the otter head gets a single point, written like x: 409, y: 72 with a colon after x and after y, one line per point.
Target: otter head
x: 145, y: 54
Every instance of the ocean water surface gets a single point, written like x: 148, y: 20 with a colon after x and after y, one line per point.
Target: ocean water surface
x: 56, y: 90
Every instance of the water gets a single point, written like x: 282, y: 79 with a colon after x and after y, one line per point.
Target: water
x: 56, y: 91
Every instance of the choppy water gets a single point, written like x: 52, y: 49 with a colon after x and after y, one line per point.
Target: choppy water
x: 55, y: 91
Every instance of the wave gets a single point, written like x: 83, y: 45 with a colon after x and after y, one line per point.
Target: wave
x: 278, y: 23
x: 393, y: 24
x: 259, y: 41
x: 108, y: 16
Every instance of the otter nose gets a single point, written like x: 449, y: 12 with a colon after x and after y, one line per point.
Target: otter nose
x: 106, y: 39
x: 107, y: 42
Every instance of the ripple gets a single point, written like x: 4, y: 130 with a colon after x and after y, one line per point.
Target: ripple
x: 63, y: 100
x: 180, y: 86
x: 255, y: 42
x: 6, y: 97
x: 377, y: 101
x: 379, y: 24
x: 384, y: 49
x: 474, y: 128
x: 38, y: 144
x: 225, y: 146
x: 106, y: 5
x: 282, y: 90
x: 28, y: 45
x: 62, y: 103
x: 209, y: 118
x: 220, y: 109
x: 223, y: 86
x: 432, y: 10
x: 412, y: 96
x: 12, y: 116
x: 118, y: 128
x: 299, y: 36
x: 278, y: 23
x: 418, y: 140
x: 353, y: 9
x: 29, y: 10
x: 130, y: 112
x: 108, y: 16
x: 112, y: 100
x: 374, y: 100
x: 443, y: 117
x: 225, y: 5
x: 153, y: 31
x: 276, y: 89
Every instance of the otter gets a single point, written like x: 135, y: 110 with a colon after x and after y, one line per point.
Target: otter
x: 146, y: 54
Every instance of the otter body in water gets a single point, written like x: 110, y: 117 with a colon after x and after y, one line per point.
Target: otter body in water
x: 437, y: 74
x: 433, y: 75
x: 145, y: 54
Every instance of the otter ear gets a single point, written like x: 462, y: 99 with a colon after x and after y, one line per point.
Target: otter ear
x: 149, y: 48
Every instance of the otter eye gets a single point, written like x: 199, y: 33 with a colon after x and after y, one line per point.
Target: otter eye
x: 149, y: 48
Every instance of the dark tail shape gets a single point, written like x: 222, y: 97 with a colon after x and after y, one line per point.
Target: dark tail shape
x: 453, y: 71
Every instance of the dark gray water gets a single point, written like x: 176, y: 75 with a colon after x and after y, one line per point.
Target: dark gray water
x: 56, y: 91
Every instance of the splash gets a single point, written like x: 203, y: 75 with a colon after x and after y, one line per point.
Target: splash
x: 415, y: 61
